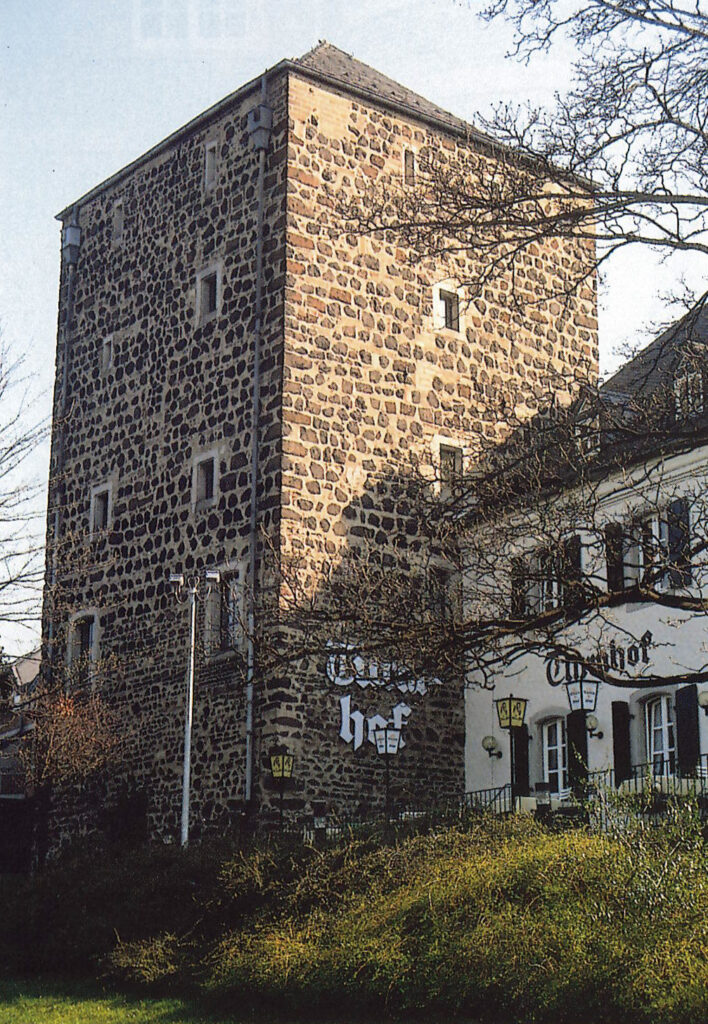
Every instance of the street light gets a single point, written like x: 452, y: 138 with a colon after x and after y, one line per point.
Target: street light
x: 281, y: 768
x: 511, y: 712
x: 186, y: 590
x: 388, y: 741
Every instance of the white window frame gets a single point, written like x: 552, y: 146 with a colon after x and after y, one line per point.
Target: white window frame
x: 233, y: 573
x: 211, y: 164
x: 561, y: 749
x: 198, y: 460
x: 214, y: 270
x: 104, y: 488
x: 72, y: 647
x: 451, y: 287
x: 661, y: 756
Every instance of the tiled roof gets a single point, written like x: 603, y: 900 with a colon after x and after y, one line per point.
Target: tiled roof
x: 334, y: 64
x: 652, y: 368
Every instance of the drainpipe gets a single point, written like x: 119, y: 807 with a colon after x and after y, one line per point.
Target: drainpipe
x: 260, y: 120
x: 70, y: 244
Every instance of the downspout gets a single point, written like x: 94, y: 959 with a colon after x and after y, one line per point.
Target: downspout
x: 70, y: 243
x: 260, y: 120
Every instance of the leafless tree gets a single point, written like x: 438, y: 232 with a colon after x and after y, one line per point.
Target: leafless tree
x: 621, y: 160
x: 484, y: 569
x: 21, y: 431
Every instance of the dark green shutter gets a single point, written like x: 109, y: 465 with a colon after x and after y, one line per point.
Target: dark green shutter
x: 679, y: 543
x: 520, y: 739
x: 577, y: 737
x: 687, y: 741
x: 620, y: 741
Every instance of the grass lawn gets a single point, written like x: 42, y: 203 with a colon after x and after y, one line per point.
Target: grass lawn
x: 47, y: 1002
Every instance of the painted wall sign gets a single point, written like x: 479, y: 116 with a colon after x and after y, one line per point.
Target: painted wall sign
x: 355, y: 727
x: 347, y: 668
x: 614, y: 658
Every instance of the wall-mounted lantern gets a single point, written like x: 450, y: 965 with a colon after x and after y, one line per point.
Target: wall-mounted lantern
x: 511, y: 711
x: 703, y: 701
x: 281, y: 768
x: 582, y: 696
x: 491, y: 746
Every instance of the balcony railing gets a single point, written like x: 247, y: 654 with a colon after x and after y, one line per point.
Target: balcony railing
x: 660, y: 776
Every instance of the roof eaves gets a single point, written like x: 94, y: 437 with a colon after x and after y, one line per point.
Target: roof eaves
x: 186, y: 129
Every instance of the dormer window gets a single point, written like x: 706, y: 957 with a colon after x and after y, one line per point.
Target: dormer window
x: 689, y: 394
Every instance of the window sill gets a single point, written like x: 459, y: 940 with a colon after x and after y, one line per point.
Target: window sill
x: 203, y: 504
x: 222, y: 657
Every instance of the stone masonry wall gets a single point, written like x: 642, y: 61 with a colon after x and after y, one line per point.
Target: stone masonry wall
x: 368, y: 381
x: 175, y: 388
x: 356, y: 379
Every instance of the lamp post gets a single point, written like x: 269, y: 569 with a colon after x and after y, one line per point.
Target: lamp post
x: 281, y: 768
x: 388, y: 741
x: 186, y: 590
x: 511, y: 712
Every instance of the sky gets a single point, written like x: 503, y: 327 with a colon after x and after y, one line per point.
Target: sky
x: 88, y: 85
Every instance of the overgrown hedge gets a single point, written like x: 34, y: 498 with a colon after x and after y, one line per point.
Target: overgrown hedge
x: 502, y: 921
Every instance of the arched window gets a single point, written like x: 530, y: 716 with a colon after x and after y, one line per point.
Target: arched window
x: 555, y: 755
x: 660, y: 735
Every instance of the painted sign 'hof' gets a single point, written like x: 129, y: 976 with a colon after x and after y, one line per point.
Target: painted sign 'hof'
x: 347, y: 668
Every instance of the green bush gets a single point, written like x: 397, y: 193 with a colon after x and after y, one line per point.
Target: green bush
x: 504, y: 920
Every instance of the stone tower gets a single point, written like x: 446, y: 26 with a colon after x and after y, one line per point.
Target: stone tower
x: 210, y: 286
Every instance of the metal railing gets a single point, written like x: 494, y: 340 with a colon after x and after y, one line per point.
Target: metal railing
x: 662, y: 776
x: 496, y: 800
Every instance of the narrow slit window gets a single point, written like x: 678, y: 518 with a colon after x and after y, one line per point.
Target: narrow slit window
x: 450, y: 310
x: 450, y: 468
x: 118, y: 221
x: 209, y: 165
x: 408, y: 167
x: 208, y: 295
x: 205, y: 482
x: 101, y: 510
x: 106, y: 355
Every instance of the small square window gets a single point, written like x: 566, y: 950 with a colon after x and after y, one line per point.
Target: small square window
x: 210, y: 165
x: 208, y: 295
x: 205, y: 480
x: 118, y: 224
x: 450, y: 303
x: 408, y: 167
